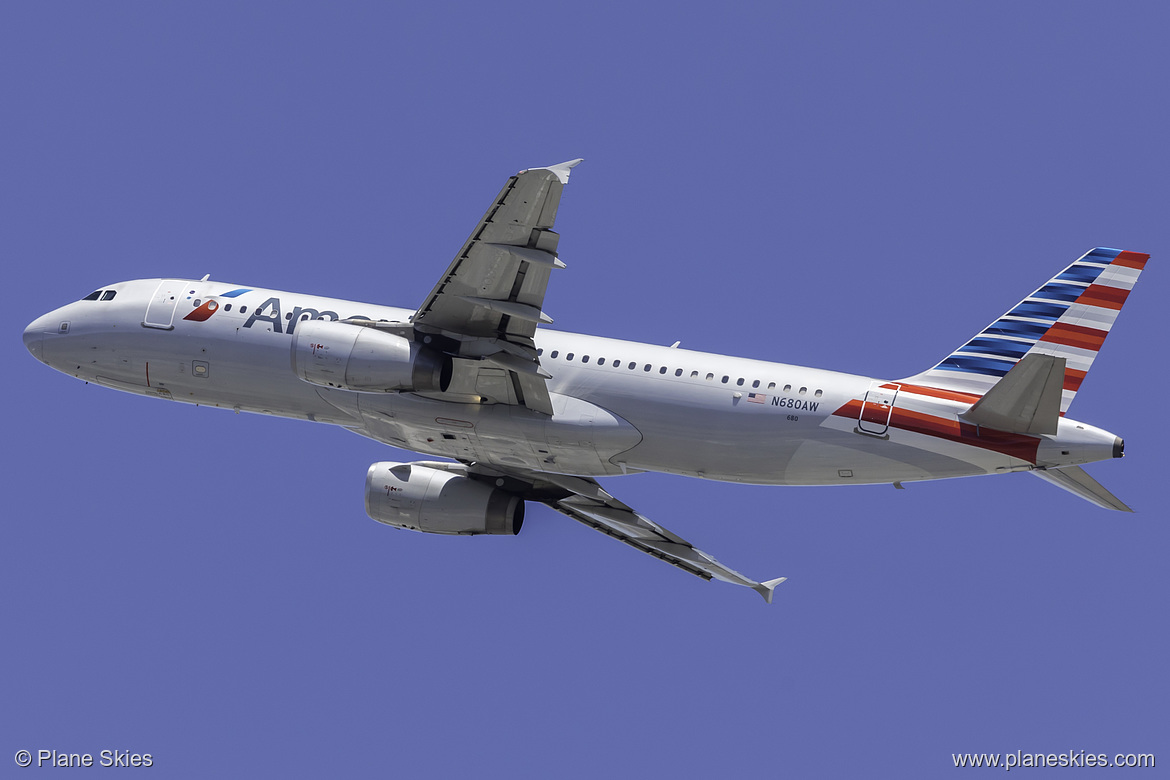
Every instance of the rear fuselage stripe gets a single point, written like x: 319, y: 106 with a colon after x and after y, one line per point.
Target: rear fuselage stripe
x: 1012, y: 444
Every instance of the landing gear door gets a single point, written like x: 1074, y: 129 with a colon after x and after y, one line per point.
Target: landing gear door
x: 876, y: 408
x: 160, y: 312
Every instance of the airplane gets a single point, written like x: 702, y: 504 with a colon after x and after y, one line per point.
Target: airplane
x: 523, y: 413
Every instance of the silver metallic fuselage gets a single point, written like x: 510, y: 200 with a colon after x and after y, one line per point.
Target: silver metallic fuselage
x: 675, y: 410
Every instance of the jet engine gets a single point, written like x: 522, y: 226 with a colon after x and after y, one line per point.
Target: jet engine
x: 421, y: 498
x: 352, y: 357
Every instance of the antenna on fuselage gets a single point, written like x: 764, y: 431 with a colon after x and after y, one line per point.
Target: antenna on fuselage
x: 205, y: 277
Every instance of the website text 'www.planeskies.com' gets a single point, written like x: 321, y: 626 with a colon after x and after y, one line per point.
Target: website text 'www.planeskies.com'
x: 1022, y: 760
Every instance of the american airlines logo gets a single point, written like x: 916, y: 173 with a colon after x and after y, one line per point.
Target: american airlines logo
x: 269, y: 312
x: 202, y: 313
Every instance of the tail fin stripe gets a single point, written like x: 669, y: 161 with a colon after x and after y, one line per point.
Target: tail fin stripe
x: 1080, y: 359
x: 1017, y: 328
x: 1091, y: 316
x: 1060, y: 292
x: 1039, y: 311
x: 1102, y: 255
x: 1073, y: 379
x: 1132, y: 260
x: 977, y: 365
x: 1080, y: 273
x: 993, y: 346
x: 1075, y: 336
x: 1121, y: 276
x: 1104, y: 296
x: 1089, y: 344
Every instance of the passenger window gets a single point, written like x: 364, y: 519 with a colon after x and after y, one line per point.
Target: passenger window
x: 554, y: 354
x: 287, y: 316
x: 802, y: 391
x: 539, y: 352
x: 109, y: 295
x: 788, y: 388
x: 678, y: 372
x: 818, y: 393
x: 227, y: 307
x: 710, y: 377
x: 739, y: 381
x: 771, y: 385
x: 694, y: 375
x: 756, y: 383
x: 569, y: 356
x: 725, y: 378
x: 662, y: 370
x: 243, y: 310
x: 198, y: 301
x: 584, y: 358
x: 93, y: 296
x: 632, y: 365
x: 646, y: 367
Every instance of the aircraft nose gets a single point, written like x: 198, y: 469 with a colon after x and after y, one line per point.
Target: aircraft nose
x: 34, y: 338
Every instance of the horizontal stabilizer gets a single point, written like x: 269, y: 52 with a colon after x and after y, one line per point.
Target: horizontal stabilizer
x: 1076, y: 480
x: 1026, y: 400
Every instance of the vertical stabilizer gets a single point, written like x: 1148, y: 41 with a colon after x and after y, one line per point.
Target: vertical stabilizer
x: 1069, y: 317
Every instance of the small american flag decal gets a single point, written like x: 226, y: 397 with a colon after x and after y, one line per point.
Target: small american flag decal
x: 757, y: 398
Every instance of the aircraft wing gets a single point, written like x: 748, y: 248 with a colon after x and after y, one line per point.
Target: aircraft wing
x: 590, y: 504
x: 586, y: 501
x: 488, y: 303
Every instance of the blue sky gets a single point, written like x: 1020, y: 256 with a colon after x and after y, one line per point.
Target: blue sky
x: 858, y: 187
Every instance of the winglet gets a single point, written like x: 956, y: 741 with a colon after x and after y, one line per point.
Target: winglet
x: 562, y: 169
x: 765, y: 588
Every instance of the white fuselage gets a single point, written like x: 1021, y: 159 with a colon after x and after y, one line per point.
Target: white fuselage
x: 620, y: 406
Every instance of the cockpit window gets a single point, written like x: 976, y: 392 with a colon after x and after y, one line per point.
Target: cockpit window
x: 93, y: 296
x: 108, y: 295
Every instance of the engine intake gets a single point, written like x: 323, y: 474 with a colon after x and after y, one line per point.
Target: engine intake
x: 352, y: 357
x: 421, y: 498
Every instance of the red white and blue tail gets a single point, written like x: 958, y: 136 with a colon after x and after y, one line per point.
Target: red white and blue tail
x: 1068, y: 317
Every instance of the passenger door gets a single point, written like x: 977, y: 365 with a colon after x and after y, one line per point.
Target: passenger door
x: 160, y: 312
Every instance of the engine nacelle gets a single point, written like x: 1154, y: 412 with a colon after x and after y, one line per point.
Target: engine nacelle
x: 421, y: 498
x: 352, y: 357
